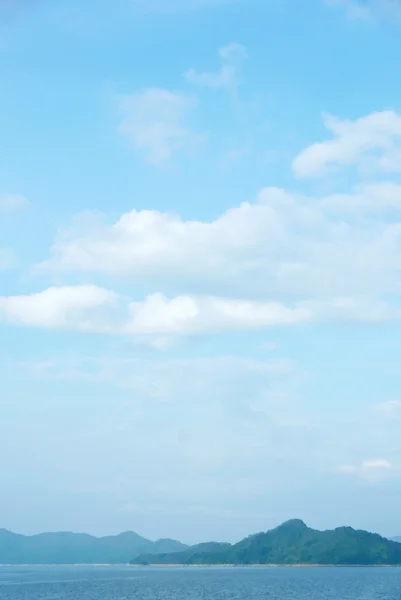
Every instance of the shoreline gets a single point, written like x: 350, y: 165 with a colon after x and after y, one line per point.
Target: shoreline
x: 265, y: 566
x: 201, y: 566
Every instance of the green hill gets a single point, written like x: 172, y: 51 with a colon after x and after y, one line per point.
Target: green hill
x: 78, y: 548
x: 183, y: 557
x: 289, y: 544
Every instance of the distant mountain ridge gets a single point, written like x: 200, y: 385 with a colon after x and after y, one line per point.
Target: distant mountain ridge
x: 396, y: 539
x: 78, y: 548
x: 291, y: 543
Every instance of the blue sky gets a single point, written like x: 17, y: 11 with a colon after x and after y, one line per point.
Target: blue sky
x: 200, y: 253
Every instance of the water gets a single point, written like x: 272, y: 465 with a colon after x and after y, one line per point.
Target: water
x: 131, y: 583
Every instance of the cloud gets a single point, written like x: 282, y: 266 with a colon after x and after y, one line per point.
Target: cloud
x: 231, y: 59
x: 341, y: 252
x: 154, y: 121
x: 390, y: 409
x: 371, y: 143
x: 372, y: 470
x: 8, y: 260
x: 12, y: 202
x: 70, y: 307
x: 368, y: 9
x: 93, y: 309
x: 355, y: 9
x: 373, y: 200
x: 175, y: 379
x: 201, y: 404
x: 188, y: 315
x: 158, y: 320
x: 219, y: 420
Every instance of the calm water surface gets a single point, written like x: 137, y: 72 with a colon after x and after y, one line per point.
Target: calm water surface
x: 123, y: 583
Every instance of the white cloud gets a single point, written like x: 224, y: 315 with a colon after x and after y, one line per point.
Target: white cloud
x: 231, y: 58
x: 341, y: 250
x: 372, y: 143
x: 368, y: 9
x: 189, y: 315
x: 158, y: 319
x: 93, y: 309
x: 372, y: 470
x: 8, y: 260
x: 369, y: 200
x: 154, y: 121
x: 390, y: 409
x: 377, y: 463
x: 70, y: 307
x: 12, y: 202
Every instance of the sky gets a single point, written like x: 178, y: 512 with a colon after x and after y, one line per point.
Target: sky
x: 200, y: 266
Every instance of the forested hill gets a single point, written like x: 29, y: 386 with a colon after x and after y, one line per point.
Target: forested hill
x: 78, y: 548
x: 183, y: 557
x: 291, y: 543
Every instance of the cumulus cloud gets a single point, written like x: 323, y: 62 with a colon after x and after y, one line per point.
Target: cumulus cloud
x: 12, y: 202
x: 154, y: 121
x: 70, y: 307
x: 231, y: 58
x: 372, y: 142
x: 158, y: 319
x: 189, y: 315
x: 94, y: 309
x: 344, y: 249
x: 283, y: 258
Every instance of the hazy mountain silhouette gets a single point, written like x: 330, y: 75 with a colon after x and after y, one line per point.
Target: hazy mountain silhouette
x: 75, y: 548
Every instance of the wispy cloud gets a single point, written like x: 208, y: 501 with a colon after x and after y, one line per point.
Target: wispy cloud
x: 13, y: 202
x: 155, y: 123
x: 391, y: 409
x: 371, y: 143
x: 8, y: 260
x: 372, y: 470
x: 368, y: 9
x: 231, y: 59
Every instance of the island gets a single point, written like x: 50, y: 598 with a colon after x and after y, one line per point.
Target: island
x: 291, y: 543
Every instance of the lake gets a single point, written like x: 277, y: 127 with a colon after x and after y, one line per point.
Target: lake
x: 146, y: 583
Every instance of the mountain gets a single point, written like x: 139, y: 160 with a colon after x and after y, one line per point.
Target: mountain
x: 182, y: 557
x: 78, y: 548
x: 396, y: 539
x: 291, y: 543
